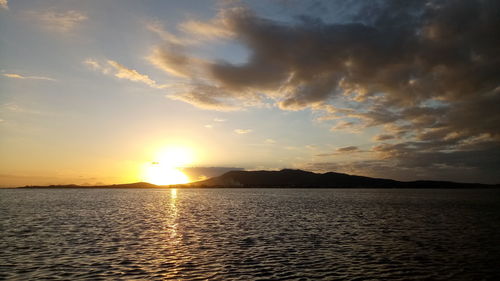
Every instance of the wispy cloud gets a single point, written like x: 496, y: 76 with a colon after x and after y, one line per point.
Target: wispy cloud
x: 342, y: 150
x: 95, y: 65
x: 172, y: 61
x: 383, y: 137
x: 60, y: 21
x: 158, y: 28
x: 347, y: 149
x: 206, y: 30
x: 123, y: 72
x: 345, y: 126
x: 16, y: 108
x: 111, y: 67
x: 19, y: 76
x: 204, y: 96
x: 4, y: 4
x: 242, y: 131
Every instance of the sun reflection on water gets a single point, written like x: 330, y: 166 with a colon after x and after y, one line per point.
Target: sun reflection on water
x: 172, y: 223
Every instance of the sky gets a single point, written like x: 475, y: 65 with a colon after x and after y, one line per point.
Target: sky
x: 94, y: 92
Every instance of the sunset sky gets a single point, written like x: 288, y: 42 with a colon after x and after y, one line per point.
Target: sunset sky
x: 93, y: 92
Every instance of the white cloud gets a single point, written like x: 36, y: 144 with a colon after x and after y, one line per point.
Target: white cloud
x: 16, y: 108
x: 61, y: 21
x: 4, y: 4
x: 270, y: 141
x: 95, y: 65
x: 19, y: 76
x: 213, y: 29
x: 111, y: 67
x: 157, y: 28
x: 219, y: 120
x: 123, y: 72
x: 242, y: 131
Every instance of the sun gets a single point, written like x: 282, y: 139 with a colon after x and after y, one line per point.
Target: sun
x: 165, y: 169
x: 164, y: 175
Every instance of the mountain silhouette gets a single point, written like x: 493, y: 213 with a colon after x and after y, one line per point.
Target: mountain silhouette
x: 289, y: 178
x: 297, y: 178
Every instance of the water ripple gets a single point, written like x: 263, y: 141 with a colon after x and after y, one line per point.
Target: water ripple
x: 250, y: 234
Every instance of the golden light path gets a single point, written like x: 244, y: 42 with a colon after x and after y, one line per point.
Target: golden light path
x: 164, y: 170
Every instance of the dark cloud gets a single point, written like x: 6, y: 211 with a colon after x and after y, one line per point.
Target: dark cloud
x: 404, y: 162
x: 342, y: 150
x: 427, y: 72
x: 347, y: 149
x: 383, y: 137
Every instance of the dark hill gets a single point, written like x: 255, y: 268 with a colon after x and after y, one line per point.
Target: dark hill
x: 299, y: 178
x: 289, y: 178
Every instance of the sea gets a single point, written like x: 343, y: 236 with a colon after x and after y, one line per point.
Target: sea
x: 249, y: 234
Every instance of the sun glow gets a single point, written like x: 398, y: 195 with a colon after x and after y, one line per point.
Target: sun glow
x: 165, y: 169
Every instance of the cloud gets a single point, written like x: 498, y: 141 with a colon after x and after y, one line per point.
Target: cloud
x: 478, y: 163
x: 4, y: 4
x: 347, y: 149
x: 60, y: 21
x: 123, y: 72
x: 157, y: 28
x: 94, y: 64
x: 205, y: 97
x: 16, y: 108
x: 342, y: 150
x: 270, y: 141
x: 171, y: 60
x: 425, y: 73
x: 207, y: 30
x: 19, y: 76
x: 217, y: 120
x: 383, y: 137
x: 242, y: 131
x: 345, y: 125
x: 118, y: 70
x: 377, y: 56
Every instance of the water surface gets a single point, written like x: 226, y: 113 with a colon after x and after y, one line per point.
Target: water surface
x: 249, y: 234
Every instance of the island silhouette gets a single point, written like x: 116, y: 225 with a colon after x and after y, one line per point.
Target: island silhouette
x: 290, y: 178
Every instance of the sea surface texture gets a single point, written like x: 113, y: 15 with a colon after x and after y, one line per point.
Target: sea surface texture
x: 249, y: 234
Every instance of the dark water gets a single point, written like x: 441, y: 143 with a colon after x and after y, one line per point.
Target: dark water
x: 250, y: 234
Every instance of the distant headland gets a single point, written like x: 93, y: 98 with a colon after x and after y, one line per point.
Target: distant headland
x: 289, y: 178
